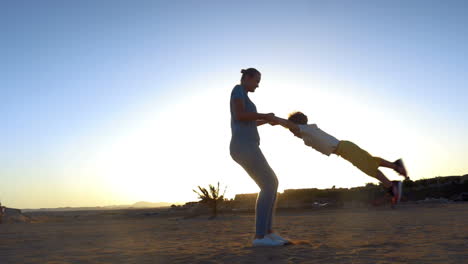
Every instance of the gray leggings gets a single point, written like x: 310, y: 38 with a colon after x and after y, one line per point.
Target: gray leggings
x: 251, y: 158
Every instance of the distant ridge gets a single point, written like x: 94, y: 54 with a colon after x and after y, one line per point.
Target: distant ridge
x: 141, y: 204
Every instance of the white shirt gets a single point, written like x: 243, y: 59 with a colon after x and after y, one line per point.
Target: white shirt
x: 318, y: 139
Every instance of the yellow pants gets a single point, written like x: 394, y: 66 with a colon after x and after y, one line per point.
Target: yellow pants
x: 358, y: 157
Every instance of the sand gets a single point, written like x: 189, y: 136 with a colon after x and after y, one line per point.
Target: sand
x: 428, y: 233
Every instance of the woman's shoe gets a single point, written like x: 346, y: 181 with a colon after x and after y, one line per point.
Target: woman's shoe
x: 266, y: 241
x: 278, y: 238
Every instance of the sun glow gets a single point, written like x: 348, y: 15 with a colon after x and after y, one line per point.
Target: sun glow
x: 168, y: 152
x: 160, y: 153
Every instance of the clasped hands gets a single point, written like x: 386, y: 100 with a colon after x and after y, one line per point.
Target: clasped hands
x: 271, y: 119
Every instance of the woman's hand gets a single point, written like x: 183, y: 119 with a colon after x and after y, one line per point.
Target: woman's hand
x: 270, y: 117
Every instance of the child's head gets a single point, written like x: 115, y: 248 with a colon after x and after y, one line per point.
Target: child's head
x: 298, y: 118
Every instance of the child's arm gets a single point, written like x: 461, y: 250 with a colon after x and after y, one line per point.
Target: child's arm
x: 287, y: 124
x: 262, y: 122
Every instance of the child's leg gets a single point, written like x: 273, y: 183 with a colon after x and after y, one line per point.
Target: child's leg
x: 363, y: 161
x: 369, y: 165
x: 387, y: 164
x: 399, y: 168
x: 383, y: 179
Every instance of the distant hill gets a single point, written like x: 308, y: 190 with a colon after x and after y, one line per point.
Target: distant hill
x: 150, y: 204
x: 141, y: 204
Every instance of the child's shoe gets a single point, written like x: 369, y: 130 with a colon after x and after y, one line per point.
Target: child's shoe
x: 396, y: 192
x: 401, y: 168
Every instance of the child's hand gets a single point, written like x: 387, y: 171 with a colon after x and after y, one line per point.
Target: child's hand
x: 273, y: 123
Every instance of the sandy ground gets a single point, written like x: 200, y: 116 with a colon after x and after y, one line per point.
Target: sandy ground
x: 436, y: 233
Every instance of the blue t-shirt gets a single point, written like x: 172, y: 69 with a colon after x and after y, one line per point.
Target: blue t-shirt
x: 243, y: 131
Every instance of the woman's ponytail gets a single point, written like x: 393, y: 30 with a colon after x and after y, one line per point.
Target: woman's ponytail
x: 251, y: 72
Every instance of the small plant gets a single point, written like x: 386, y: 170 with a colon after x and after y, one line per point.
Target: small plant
x: 211, y: 197
x: 2, y: 212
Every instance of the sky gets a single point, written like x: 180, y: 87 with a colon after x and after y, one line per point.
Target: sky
x: 114, y: 102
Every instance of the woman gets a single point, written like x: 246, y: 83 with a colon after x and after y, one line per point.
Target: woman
x: 244, y: 149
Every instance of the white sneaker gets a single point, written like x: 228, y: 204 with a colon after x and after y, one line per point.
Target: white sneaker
x: 278, y: 238
x: 266, y: 241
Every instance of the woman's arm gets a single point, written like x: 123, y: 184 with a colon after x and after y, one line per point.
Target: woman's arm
x: 242, y: 115
x: 261, y: 122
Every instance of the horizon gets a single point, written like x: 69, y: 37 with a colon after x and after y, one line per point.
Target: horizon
x: 110, y: 102
x: 198, y: 200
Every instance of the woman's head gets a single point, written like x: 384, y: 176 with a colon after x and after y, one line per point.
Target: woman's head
x: 250, y: 79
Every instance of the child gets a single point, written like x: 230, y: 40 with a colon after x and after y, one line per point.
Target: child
x: 327, y: 144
